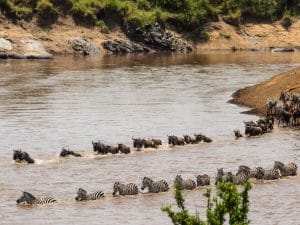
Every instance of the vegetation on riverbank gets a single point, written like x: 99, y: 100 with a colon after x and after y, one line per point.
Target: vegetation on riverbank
x: 182, y: 15
x: 229, y: 202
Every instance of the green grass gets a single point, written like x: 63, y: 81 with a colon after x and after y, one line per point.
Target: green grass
x: 183, y: 15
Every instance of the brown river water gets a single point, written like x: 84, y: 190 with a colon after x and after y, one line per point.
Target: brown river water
x: 68, y: 102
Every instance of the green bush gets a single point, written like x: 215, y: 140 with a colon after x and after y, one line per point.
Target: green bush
x: 84, y: 12
x: 15, y: 11
x: 287, y: 19
x: 47, y: 14
x: 228, y: 202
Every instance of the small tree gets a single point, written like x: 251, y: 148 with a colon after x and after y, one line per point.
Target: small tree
x: 228, y: 201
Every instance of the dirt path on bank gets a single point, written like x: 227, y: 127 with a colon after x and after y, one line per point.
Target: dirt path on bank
x: 255, y: 96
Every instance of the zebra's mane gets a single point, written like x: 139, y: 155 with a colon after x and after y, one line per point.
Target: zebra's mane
x: 29, y: 196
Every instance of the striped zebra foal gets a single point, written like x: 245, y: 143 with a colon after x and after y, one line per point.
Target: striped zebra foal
x: 29, y: 199
x: 188, y: 184
x: 82, y: 195
x: 154, y: 187
x: 125, y: 189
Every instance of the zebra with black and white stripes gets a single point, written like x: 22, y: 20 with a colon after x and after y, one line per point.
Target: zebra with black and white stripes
x: 188, y: 184
x: 154, y: 186
x: 125, y: 189
x: 29, y: 199
x: 82, y: 195
x: 289, y: 169
x: 262, y: 174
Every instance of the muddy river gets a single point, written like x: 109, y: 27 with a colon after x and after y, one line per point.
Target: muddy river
x: 68, y: 102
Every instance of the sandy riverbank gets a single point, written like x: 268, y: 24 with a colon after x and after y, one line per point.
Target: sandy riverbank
x: 255, y: 96
x: 222, y: 36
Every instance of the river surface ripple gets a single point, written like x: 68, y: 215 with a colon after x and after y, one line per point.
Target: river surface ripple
x: 68, y: 102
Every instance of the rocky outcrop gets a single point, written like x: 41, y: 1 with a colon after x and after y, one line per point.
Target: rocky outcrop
x: 5, y: 44
x: 35, y: 50
x: 27, y: 49
x: 83, y: 46
x: 158, y: 38
x: 123, y: 47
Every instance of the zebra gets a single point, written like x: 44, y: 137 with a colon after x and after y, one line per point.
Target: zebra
x: 223, y: 177
x: 203, y: 180
x: 83, y: 196
x: 188, y: 184
x: 31, y: 200
x: 241, y: 177
x: 125, y: 189
x: 289, y: 169
x: 272, y: 174
x: 154, y: 187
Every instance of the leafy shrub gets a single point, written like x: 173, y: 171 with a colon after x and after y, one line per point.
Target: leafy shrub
x: 287, y: 19
x: 228, y: 201
x: 46, y: 12
x: 15, y: 11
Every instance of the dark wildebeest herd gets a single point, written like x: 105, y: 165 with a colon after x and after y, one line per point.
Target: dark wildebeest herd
x: 243, y: 174
x: 286, y: 110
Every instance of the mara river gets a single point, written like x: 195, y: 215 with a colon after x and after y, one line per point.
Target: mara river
x: 68, y: 102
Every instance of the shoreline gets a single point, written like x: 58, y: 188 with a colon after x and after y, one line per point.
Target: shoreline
x: 256, y: 96
x: 28, y: 40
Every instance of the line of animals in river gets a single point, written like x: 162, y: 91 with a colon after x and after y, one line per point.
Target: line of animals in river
x: 243, y: 174
x: 138, y: 143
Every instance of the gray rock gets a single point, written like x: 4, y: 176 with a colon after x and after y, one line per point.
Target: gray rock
x: 35, y: 50
x: 157, y: 37
x: 5, y: 44
x: 282, y: 49
x: 83, y: 46
x: 123, y: 47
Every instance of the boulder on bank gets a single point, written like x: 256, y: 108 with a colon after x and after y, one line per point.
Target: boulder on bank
x: 122, y: 46
x: 282, y: 49
x: 33, y: 50
x: 5, y: 44
x: 155, y: 36
x: 83, y: 46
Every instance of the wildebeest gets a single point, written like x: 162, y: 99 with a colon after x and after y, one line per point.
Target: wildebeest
x: 64, y: 152
x: 137, y: 143
x: 201, y: 137
x: 189, y: 140
x: 123, y: 148
x: 32, y: 200
x: 174, y: 140
x: 112, y: 149
x: 149, y: 143
x: 203, y: 180
x: 20, y: 157
x: 99, y: 147
x: 289, y: 169
x: 251, y: 130
x: 237, y: 134
x: 296, y: 117
x: 156, y: 141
